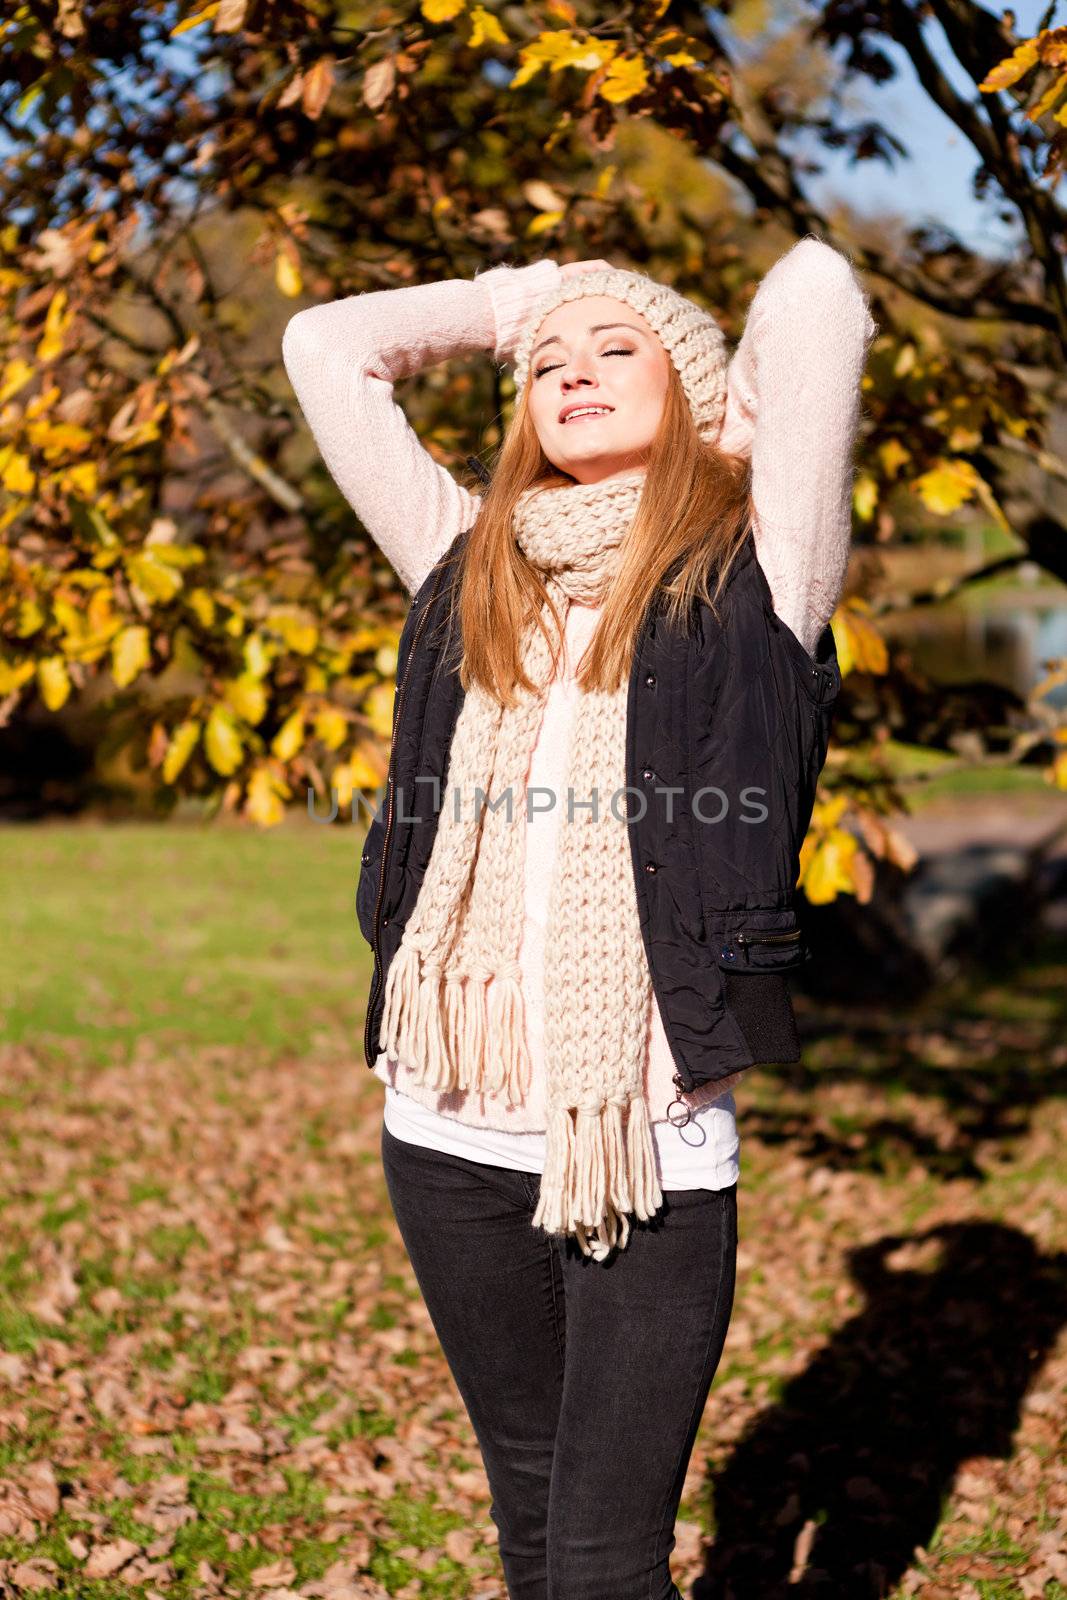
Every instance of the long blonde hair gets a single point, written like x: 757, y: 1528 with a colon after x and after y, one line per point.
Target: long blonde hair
x: 696, y: 505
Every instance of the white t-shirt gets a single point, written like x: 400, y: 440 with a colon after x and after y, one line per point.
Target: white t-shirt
x: 705, y: 1154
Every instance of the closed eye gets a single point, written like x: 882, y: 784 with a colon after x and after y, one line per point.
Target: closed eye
x: 552, y: 368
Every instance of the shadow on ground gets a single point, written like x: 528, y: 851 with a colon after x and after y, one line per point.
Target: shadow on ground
x: 831, y: 1491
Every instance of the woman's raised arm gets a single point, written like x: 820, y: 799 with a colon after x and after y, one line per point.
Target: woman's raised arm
x: 343, y: 358
x: 793, y: 401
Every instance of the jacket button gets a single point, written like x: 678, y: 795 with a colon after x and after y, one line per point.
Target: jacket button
x: 365, y: 857
x: 385, y: 922
x: 650, y: 679
x: 726, y: 954
x: 650, y: 866
x: 648, y: 773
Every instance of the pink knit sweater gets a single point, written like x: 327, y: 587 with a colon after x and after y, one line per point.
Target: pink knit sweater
x: 793, y: 404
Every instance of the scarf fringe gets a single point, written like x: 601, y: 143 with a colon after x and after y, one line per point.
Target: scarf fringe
x: 590, y: 1165
x: 507, y: 1037
x: 456, y: 1032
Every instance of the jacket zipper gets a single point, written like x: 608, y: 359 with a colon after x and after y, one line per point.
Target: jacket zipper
x: 767, y: 938
x: 375, y: 927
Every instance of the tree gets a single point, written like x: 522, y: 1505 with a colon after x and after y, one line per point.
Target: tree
x: 177, y: 181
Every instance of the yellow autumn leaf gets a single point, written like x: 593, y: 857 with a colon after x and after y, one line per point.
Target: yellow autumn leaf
x: 58, y: 319
x: 194, y: 21
x: 947, y: 486
x: 1048, y: 100
x: 31, y: 617
x: 39, y: 404
x: 378, y: 705
x: 557, y: 49
x: 13, y: 676
x: 287, y: 275
x: 17, y: 477
x: 358, y: 772
x: 1059, y: 770
x: 267, y: 792
x: 331, y: 726
x: 154, y: 579
x: 222, y: 741
x: 829, y: 868
x: 82, y: 479
x: 486, y: 29
x: 604, y: 180
x: 544, y: 222
x: 57, y: 439
x: 202, y: 605
x: 860, y: 647
x: 53, y: 681
x: 182, y: 744
x: 893, y: 454
x: 827, y: 814
x: 626, y: 77
x: 296, y: 628
x: 865, y: 496
x: 289, y: 738
x: 130, y: 654
x: 16, y: 375
x: 1012, y: 68
x: 248, y: 697
x: 257, y: 655
x: 441, y: 10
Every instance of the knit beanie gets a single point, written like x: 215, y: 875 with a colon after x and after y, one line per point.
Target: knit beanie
x: 690, y: 335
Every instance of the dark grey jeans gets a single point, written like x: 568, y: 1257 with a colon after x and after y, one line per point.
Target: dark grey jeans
x: 584, y: 1381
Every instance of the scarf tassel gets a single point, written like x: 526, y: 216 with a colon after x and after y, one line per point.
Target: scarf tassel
x: 594, y: 1175
x: 412, y: 1023
x: 446, y: 1027
x: 507, y: 1038
x: 399, y: 1002
x: 454, y: 1010
x: 475, y: 1027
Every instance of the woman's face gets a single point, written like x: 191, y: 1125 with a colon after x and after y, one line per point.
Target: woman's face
x: 596, y: 351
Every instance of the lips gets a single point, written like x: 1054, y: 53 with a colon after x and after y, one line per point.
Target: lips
x: 587, y: 416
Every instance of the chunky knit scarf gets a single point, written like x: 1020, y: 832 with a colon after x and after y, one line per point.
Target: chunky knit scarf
x: 453, y: 1005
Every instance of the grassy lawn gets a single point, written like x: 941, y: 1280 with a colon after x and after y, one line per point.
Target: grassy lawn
x: 216, y: 1373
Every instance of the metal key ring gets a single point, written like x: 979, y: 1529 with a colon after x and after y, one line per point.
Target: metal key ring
x: 674, y: 1122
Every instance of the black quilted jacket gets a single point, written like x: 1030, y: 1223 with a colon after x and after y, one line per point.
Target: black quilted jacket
x: 734, y: 716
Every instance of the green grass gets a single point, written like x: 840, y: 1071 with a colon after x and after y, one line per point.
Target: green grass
x: 184, y: 934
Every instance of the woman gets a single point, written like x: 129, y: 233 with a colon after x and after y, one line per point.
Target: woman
x: 559, y: 1140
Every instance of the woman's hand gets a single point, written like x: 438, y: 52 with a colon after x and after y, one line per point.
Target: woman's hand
x: 571, y: 269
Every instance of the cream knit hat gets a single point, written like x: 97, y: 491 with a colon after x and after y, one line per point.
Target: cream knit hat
x: 690, y: 335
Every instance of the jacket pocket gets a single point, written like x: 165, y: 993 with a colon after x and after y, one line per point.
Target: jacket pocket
x: 370, y: 873
x: 757, y: 943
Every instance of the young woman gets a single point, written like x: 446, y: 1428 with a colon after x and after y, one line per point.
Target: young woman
x: 563, y: 998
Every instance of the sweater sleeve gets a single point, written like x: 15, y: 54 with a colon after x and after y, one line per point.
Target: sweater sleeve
x: 793, y: 401
x: 343, y: 359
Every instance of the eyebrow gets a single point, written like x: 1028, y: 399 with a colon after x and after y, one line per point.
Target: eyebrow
x: 598, y: 327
